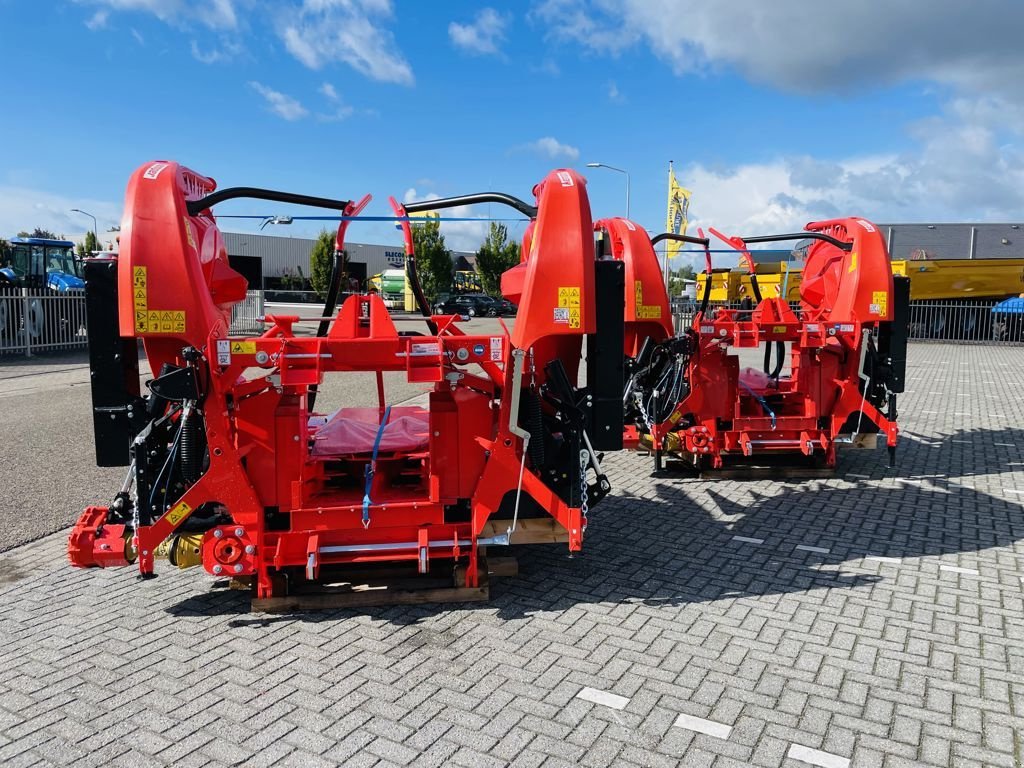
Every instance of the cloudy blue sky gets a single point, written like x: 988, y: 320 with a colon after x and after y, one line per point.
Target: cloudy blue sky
x: 775, y: 113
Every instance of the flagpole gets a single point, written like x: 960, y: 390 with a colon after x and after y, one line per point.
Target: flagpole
x: 668, y: 228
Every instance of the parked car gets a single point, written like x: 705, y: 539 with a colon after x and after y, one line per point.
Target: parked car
x: 471, y: 304
x: 506, y: 307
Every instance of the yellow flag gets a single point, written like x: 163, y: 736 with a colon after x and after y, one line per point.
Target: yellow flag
x: 678, y: 211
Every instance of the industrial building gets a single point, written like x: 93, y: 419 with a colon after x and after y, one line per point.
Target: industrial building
x: 276, y: 262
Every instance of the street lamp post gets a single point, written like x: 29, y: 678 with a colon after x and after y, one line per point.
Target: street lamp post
x: 84, y: 213
x: 620, y: 170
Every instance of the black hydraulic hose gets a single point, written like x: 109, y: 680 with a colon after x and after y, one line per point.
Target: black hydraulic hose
x: 481, y: 197
x: 680, y: 238
x: 799, y: 236
x: 195, y: 207
x: 780, y: 352
x: 329, y: 306
x: 413, y: 276
x: 754, y: 286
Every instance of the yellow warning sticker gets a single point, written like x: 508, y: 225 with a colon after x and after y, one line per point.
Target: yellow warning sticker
x: 243, y: 347
x: 879, y: 302
x: 574, y: 317
x: 188, y: 234
x: 162, y: 321
x: 853, y: 262
x: 648, y: 312
x: 139, y: 277
x: 178, y: 513
x: 638, y: 292
x: 568, y: 297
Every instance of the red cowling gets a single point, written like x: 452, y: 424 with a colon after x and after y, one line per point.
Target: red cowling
x: 174, y: 280
x: 647, y: 312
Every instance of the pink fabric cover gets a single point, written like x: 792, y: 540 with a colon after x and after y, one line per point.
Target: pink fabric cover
x: 354, y: 430
x: 756, y: 380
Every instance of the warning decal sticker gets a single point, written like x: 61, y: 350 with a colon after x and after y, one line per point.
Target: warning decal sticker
x: 179, y: 513
x: 568, y: 309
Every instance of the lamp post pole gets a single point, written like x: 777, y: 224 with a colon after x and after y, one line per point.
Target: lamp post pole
x: 619, y: 170
x: 85, y: 213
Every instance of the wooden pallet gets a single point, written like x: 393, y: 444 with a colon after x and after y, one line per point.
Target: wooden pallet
x: 390, y: 585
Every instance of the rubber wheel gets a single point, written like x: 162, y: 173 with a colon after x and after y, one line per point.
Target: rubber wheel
x: 471, y: 312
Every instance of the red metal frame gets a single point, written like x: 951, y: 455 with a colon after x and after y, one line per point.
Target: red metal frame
x: 255, y: 399
x: 849, y: 293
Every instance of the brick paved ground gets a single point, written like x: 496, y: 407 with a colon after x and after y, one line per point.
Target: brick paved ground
x: 769, y: 651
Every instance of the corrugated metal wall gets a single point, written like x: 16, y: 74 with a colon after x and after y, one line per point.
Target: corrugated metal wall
x: 954, y: 241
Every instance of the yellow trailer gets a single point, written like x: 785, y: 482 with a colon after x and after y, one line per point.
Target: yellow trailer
x: 952, y: 288
x: 930, y: 280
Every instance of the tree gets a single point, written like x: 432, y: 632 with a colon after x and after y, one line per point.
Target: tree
x: 433, y: 259
x: 496, y: 255
x: 87, y: 246
x: 5, y: 252
x: 676, y: 284
x: 39, y: 232
x: 321, y: 262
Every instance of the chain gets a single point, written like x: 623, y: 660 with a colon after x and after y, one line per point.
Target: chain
x: 584, y: 506
x: 638, y: 398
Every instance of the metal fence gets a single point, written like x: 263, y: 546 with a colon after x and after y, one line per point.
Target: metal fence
x: 970, y: 321
x: 246, y: 316
x: 38, y: 319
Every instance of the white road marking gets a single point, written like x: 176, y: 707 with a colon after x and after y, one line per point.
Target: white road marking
x: 1014, y: 490
x: 932, y: 412
x: 956, y: 569
x: 817, y: 757
x: 603, y: 698
x: 748, y: 540
x: 1005, y: 445
x: 700, y: 725
x: 819, y: 550
x: 855, y: 474
x: 883, y: 559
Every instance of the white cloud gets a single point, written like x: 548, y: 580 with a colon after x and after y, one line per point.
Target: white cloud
x: 138, y: 36
x: 339, y: 110
x: 483, y: 35
x: 327, y: 31
x: 552, y: 148
x: 328, y: 91
x: 281, y: 104
x: 228, y: 50
x: 615, y: 96
x: 960, y: 171
x: 458, y: 235
x: 98, y: 20
x: 821, y: 47
x: 214, y: 14
x: 24, y: 208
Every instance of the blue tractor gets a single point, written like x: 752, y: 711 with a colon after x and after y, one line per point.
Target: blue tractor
x: 45, y: 267
x: 38, y: 262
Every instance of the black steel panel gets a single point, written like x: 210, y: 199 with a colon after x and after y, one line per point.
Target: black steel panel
x: 605, y: 357
x: 113, y: 366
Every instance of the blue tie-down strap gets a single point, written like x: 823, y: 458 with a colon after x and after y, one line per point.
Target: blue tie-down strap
x: 761, y: 401
x: 371, y: 468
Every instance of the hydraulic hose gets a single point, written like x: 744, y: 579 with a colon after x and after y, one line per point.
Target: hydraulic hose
x: 329, y: 306
x: 780, y: 353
